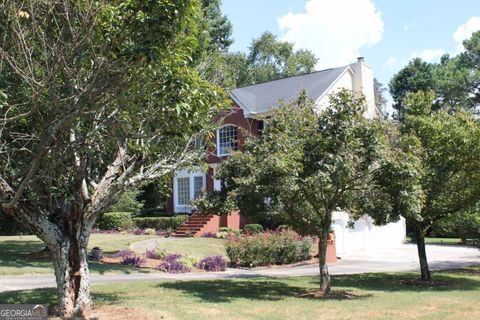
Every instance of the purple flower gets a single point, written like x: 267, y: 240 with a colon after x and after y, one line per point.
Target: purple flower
x: 171, y: 264
x: 125, y: 253
x: 213, y: 263
x: 134, y: 261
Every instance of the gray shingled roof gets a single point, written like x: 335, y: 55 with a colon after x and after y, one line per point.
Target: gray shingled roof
x: 262, y: 97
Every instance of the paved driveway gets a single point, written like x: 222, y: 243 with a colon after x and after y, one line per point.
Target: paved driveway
x: 403, y: 258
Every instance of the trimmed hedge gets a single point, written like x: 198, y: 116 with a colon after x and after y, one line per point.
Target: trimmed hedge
x: 262, y: 249
x: 115, y: 221
x: 160, y: 223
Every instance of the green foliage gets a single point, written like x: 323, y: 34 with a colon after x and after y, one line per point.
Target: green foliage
x: 154, y: 195
x: 380, y: 100
x: 252, y: 228
x: 263, y: 249
x: 416, y: 76
x: 115, y: 221
x: 216, y: 25
x: 188, y: 262
x: 308, y: 165
x: 465, y: 225
x: 160, y: 223
x: 128, y: 202
x: 455, y: 80
x: 272, y: 59
x: 268, y: 59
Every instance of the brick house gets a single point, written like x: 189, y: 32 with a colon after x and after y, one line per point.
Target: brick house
x: 257, y: 101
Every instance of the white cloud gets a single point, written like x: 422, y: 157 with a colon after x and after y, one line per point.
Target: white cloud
x: 429, y: 55
x: 465, y: 31
x: 391, y: 62
x: 335, y: 30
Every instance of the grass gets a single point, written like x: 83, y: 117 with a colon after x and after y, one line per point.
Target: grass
x: 13, y: 251
x: 446, y: 241
x: 194, y: 247
x: 373, y: 296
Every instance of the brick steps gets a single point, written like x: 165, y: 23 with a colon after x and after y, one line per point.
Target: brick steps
x: 193, y: 226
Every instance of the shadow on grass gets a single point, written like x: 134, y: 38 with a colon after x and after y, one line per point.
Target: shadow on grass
x: 14, y: 254
x: 48, y: 296
x: 224, y: 291
x: 442, y: 281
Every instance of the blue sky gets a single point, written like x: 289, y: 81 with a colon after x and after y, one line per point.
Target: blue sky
x: 388, y: 33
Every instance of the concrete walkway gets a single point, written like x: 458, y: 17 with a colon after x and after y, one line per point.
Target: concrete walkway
x: 403, y: 258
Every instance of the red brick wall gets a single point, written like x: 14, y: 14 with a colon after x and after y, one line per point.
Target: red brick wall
x: 233, y: 220
x: 247, y: 127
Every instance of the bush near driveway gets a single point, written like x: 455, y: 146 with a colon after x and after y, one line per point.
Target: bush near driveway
x: 277, y: 247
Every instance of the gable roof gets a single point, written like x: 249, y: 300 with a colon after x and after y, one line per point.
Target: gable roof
x: 259, y: 98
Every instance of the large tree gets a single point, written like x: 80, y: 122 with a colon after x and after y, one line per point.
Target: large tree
x: 416, y: 76
x: 455, y: 80
x: 306, y: 166
x: 439, y: 162
x: 96, y: 97
x: 268, y: 59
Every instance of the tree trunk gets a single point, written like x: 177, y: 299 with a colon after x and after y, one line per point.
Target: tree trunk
x: 322, y: 263
x: 71, y: 270
x: 422, y: 254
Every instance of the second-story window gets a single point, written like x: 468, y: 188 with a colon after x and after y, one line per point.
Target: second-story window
x: 226, y: 140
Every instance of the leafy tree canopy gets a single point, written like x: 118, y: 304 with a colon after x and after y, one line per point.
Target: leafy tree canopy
x: 308, y: 165
x: 455, y: 80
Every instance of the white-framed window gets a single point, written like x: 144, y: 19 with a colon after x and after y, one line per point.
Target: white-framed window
x: 227, y: 137
x: 183, y: 191
x: 187, y: 186
x: 198, y: 187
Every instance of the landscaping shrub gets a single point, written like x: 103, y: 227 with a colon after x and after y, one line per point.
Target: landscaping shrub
x: 188, y: 262
x: 125, y: 253
x: 156, y: 253
x: 213, y: 263
x: 135, y: 261
x: 173, y: 264
x: 252, y: 228
x: 160, y: 223
x: 115, y: 221
x: 224, y: 232
x: 280, y: 247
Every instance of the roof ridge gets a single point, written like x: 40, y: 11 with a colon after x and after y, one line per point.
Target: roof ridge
x: 289, y: 77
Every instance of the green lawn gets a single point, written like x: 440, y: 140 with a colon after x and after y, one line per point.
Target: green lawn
x: 449, y: 241
x: 372, y: 296
x: 194, y: 247
x: 13, y: 250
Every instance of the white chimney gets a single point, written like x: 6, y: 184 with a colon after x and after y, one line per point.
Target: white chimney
x: 363, y: 83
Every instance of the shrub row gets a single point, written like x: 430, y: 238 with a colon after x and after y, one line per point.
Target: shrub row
x: 124, y: 221
x: 115, y: 221
x: 280, y: 247
x: 160, y: 223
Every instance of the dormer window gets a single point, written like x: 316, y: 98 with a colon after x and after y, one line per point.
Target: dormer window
x: 226, y: 140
